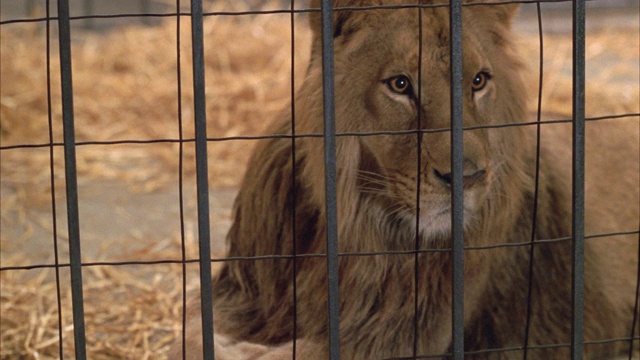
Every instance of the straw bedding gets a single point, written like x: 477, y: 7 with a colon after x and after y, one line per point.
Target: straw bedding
x: 125, y: 88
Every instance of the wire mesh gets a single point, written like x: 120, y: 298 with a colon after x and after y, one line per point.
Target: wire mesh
x: 200, y: 140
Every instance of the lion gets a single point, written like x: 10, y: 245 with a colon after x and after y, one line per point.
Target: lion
x: 394, y: 197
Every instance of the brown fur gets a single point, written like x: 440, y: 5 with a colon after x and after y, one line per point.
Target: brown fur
x: 377, y: 187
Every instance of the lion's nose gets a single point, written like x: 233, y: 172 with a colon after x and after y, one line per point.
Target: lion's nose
x: 471, y: 174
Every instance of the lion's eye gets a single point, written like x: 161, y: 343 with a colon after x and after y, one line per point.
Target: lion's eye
x: 400, y: 85
x: 480, y: 81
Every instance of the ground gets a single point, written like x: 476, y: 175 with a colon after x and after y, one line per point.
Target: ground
x: 125, y: 87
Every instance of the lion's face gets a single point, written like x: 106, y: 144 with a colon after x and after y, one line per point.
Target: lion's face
x: 391, y: 80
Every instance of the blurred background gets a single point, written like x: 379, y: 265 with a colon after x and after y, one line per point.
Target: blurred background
x: 20, y: 9
x: 137, y: 201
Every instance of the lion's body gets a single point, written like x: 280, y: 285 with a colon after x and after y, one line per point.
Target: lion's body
x: 255, y: 300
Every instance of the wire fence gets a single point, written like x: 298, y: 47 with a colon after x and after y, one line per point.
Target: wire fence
x: 197, y: 14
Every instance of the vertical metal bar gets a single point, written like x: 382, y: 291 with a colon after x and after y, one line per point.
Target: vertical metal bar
x: 457, y: 194
x: 330, y: 179
x: 73, y: 219
x: 199, y: 102
x: 294, y: 194
x: 578, y: 179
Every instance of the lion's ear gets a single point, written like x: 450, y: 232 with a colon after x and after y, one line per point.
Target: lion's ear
x: 345, y: 22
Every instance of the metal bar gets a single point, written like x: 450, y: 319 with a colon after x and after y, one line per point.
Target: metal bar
x: 199, y: 104
x: 330, y: 179
x: 73, y: 219
x: 457, y: 227
x: 294, y: 194
x: 577, y: 338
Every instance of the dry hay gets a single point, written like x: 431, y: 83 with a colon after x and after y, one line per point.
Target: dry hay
x: 130, y: 311
x: 126, y: 317
x: 125, y: 88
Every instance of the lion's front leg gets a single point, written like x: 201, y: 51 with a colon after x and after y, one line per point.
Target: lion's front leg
x: 226, y: 348
x: 304, y: 349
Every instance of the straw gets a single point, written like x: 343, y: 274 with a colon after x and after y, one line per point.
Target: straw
x: 125, y: 88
